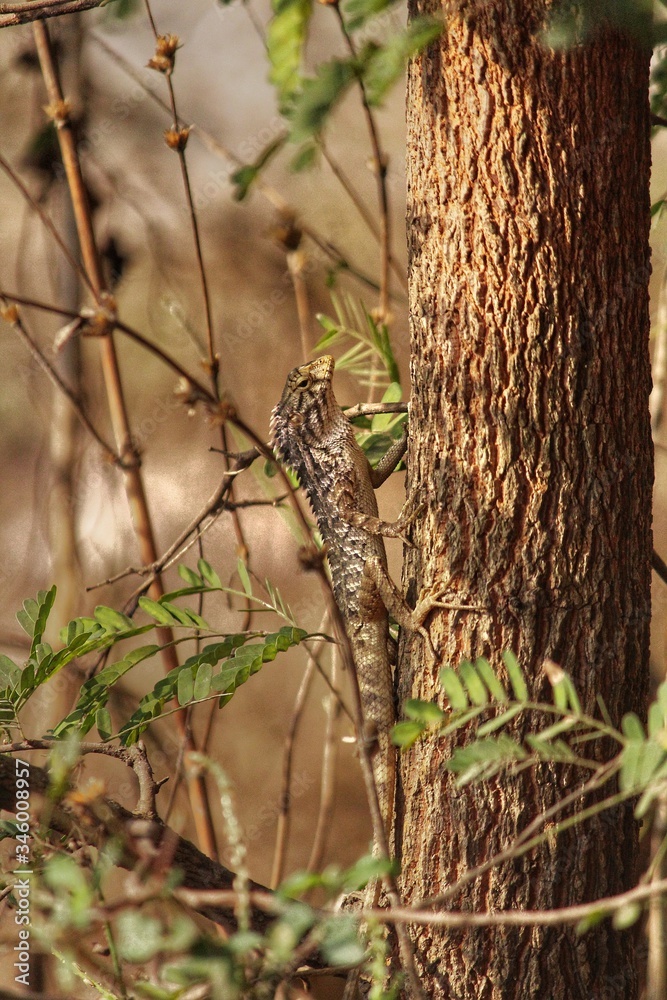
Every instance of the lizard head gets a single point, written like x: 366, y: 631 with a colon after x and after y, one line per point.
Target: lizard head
x: 307, y: 410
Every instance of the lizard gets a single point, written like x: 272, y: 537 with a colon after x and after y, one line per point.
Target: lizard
x: 311, y: 434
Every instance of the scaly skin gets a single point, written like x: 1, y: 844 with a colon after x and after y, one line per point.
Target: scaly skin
x: 312, y: 435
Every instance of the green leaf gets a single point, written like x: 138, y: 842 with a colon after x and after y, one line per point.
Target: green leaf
x: 485, y: 757
x: 244, y: 177
x: 318, y: 97
x: 305, y: 157
x: 499, y: 721
x: 494, y: 685
x: 358, y: 12
x: 202, y: 687
x: 516, y: 677
x: 591, y: 920
x: 73, y: 895
x: 404, y: 734
x: 139, y: 936
x: 640, y: 760
x: 189, y: 576
x: 473, y: 683
x: 382, y: 421
x: 626, y: 916
x: 235, y: 670
x: 632, y: 727
x: 34, y: 615
x: 364, y: 871
x: 657, y: 712
x: 112, y: 621
x: 285, y: 41
x: 340, y: 941
x: 562, y: 726
x: 95, y: 692
x: 384, y: 64
x: 10, y: 673
x: 423, y: 711
x: 185, y: 687
x: 458, y: 699
x: 209, y: 574
x: 548, y: 749
x: 244, y: 577
x: 103, y: 723
x: 156, y: 611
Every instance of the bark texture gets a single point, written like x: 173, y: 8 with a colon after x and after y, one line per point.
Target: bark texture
x: 528, y: 221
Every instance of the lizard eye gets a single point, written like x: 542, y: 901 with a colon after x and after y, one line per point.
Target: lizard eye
x: 303, y: 382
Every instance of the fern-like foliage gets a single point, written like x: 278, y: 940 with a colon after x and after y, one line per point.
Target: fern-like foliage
x: 216, y: 671
x: 477, y: 694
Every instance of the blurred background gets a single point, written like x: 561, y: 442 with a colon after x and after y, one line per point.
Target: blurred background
x: 64, y: 515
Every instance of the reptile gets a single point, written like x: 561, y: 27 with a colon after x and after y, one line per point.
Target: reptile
x: 313, y: 437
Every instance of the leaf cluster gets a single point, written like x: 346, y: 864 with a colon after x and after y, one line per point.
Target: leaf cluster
x: 215, y: 671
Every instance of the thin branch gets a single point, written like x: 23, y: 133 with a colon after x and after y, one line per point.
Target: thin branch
x: 380, y: 171
x: 329, y: 249
x: 60, y: 112
x: 295, y: 266
x: 370, y: 409
x: 363, y: 211
x: 282, y: 832
x: 124, y: 328
x: 659, y: 566
x: 213, y: 505
x: 24, y: 13
x: 168, y: 360
x: 45, y: 218
x: 526, y: 839
x: 12, y: 316
x: 179, y: 147
x: 327, y: 784
x: 134, y: 756
x: 606, y: 906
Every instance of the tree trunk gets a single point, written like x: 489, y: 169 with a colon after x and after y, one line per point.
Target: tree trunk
x: 528, y: 222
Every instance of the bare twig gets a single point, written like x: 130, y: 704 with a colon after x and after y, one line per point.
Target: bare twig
x: 11, y: 315
x: 380, y: 172
x: 269, y: 193
x: 179, y: 146
x: 45, y: 218
x: 129, y: 332
x: 59, y: 110
x: 327, y: 784
x: 23, y: 13
x: 134, y: 756
x: 363, y: 211
x: 659, y: 566
x: 606, y: 906
x: 282, y: 832
x: 295, y: 265
x: 370, y: 409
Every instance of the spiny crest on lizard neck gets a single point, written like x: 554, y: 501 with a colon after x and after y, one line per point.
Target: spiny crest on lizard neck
x: 307, y: 415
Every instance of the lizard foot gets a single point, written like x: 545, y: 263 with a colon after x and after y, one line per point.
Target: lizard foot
x: 425, y: 605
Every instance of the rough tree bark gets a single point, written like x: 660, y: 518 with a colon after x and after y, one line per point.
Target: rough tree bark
x: 528, y: 221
